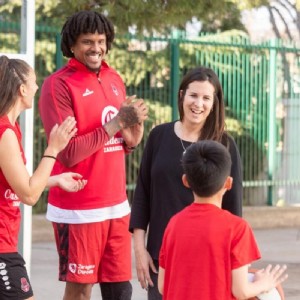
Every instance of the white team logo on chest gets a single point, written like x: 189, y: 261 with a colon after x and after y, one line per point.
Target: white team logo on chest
x: 115, y: 143
x: 87, y: 93
x: 109, y: 112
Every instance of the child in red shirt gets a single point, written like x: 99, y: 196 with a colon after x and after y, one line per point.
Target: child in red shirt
x: 206, y: 251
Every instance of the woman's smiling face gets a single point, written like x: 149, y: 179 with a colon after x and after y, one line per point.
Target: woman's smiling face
x: 198, y: 102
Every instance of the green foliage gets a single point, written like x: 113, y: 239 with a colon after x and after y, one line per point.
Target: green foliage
x: 153, y: 16
x: 148, y: 65
x: 145, y: 65
x: 224, y: 19
x: 248, y: 4
x: 11, y: 6
x: 8, y: 42
x: 156, y: 15
x: 253, y: 153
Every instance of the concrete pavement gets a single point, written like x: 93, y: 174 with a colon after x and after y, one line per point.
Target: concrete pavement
x: 277, y: 245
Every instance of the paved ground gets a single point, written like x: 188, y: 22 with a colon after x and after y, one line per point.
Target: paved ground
x: 278, y: 245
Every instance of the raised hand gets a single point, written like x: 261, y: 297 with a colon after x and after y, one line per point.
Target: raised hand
x: 132, y: 112
x: 133, y: 134
x: 60, y: 135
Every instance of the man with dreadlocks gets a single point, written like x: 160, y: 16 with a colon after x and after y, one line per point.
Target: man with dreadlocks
x: 91, y: 228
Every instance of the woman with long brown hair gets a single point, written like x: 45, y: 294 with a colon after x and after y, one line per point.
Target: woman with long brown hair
x: 17, y: 89
x: 159, y: 192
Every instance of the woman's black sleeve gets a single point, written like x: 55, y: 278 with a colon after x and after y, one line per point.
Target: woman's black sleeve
x: 233, y: 199
x: 140, y: 209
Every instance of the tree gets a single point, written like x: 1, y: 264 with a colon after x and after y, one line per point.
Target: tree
x: 155, y: 15
x: 286, y: 12
x: 159, y: 16
x: 283, y: 17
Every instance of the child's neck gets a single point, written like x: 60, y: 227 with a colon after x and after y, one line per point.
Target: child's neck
x: 215, y: 200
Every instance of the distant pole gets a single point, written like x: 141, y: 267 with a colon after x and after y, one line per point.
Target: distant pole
x: 174, y: 72
x: 272, y: 122
x: 26, y: 122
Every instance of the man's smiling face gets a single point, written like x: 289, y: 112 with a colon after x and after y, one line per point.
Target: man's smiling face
x: 90, y: 49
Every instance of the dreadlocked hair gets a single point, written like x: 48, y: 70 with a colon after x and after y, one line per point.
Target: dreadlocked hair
x: 83, y: 22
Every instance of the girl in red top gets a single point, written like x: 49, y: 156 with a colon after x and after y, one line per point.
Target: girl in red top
x: 17, y: 89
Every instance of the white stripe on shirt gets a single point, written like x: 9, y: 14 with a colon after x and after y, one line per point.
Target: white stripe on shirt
x: 59, y: 215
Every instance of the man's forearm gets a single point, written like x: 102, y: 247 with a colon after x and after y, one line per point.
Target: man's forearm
x: 113, y: 126
x: 127, y: 117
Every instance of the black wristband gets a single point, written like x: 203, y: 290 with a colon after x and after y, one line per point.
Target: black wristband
x: 49, y: 156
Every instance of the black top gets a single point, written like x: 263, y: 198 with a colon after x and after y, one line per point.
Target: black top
x: 160, y: 193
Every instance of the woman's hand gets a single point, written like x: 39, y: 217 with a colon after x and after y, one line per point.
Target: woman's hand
x: 60, y: 135
x: 70, y: 182
x: 143, y: 263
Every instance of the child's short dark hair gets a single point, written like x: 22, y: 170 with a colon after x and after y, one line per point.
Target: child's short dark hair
x: 206, y: 164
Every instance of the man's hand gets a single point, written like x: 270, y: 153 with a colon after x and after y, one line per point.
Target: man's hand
x: 132, y: 112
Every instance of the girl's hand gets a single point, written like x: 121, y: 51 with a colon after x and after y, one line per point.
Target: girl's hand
x: 60, y: 135
x: 70, y: 182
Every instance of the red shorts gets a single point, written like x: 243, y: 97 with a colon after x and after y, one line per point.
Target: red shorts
x: 94, y: 252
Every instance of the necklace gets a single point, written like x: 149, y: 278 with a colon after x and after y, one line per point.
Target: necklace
x: 181, y: 135
x: 184, y: 149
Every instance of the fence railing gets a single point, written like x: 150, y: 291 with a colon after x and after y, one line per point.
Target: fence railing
x: 261, y: 84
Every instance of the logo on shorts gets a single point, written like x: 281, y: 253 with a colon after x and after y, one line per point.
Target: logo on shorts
x: 3, y: 272
x: 2, y: 265
x: 5, y: 278
x: 81, y: 269
x: 73, y: 268
x: 24, y: 285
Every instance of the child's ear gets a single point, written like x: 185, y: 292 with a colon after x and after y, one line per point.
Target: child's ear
x: 228, y: 183
x: 184, y: 181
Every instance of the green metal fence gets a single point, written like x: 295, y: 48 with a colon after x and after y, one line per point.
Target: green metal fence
x: 261, y: 85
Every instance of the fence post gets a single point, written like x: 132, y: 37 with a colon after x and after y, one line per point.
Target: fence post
x: 272, y: 121
x: 58, y: 53
x: 174, y: 73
